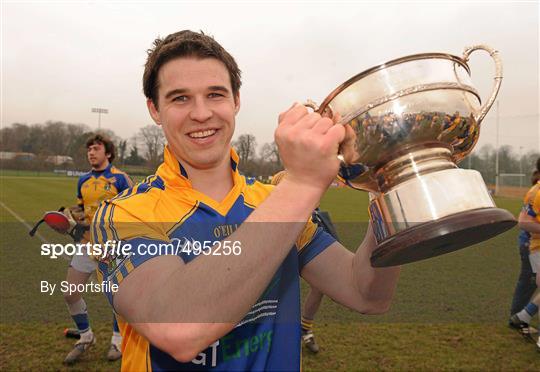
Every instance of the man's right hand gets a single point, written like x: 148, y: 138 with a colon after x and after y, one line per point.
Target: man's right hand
x: 77, y: 213
x: 308, y: 146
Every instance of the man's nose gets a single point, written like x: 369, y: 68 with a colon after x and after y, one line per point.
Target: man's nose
x: 200, y: 111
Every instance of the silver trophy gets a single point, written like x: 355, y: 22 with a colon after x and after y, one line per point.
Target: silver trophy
x: 413, y: 119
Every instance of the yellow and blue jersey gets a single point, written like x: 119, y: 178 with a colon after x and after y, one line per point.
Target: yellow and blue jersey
x: 164, y: 209
x: 95, y: 186
x: 531, y: 206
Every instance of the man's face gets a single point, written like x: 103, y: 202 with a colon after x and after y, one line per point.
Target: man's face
x: 197, y: 110
x: 97, y: 157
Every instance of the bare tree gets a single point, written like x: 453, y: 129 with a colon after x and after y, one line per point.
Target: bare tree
x: 245, y: 146
x: 154, y: 140
x: 122, y: 149
x: 269, y: 161
x: 269, y: 152
x: 15, y: 137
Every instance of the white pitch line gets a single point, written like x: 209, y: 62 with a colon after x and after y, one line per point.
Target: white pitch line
x: 19, y: 218
x: 39, y: 177
x: 23, y: 222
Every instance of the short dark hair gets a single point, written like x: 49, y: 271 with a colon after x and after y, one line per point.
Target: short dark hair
x: 535, y: 177
x: 185, y: 43
x: 536, y: 174
x: 106, y: 142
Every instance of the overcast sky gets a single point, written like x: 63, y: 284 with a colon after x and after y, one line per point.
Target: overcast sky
x: 60, y: 59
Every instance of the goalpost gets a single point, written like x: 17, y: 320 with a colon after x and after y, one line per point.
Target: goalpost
x: 511, y: 184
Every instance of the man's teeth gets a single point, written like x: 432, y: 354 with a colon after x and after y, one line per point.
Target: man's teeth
x: 202, y: 134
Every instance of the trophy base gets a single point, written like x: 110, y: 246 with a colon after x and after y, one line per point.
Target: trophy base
x: 442, y: 236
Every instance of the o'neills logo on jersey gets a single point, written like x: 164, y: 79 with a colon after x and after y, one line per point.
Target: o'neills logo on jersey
x: 222, y: 231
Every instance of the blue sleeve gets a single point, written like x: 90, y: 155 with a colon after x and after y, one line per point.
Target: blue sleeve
x: 139, y: 250
x: 122, y: 182
x: 529, y: 210
x: 79, y: 186
x: 80, y: 182
x: 320, y: 241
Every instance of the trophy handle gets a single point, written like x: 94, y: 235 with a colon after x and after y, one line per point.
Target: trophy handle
x: 311, y: 104
x: 327, y: 112
x: 498, y: 77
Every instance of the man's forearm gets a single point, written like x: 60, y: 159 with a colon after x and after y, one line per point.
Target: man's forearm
x: 376, y: 285
x: 236, y: 282
x: 528, y: 223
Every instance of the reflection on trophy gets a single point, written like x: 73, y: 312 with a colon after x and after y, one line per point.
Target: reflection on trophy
x: 413, y: 119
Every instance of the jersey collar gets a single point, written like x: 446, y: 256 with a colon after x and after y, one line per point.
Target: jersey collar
x: 97, y: 173
x: 175, y: 174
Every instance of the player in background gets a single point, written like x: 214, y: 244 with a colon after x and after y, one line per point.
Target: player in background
x: 529, y: 223
x: 314, y: 297
x: 526, y: 283
x: 102, y: 182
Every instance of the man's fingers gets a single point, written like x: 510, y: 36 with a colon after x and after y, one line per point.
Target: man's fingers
x: 323, y: 125
x: 280, y: 117
x: 307, y: 122
x: 337, y: 133
x: 348, y: 146
x: 308, y: 145
x: 293, y: 115
x: 336, y: 117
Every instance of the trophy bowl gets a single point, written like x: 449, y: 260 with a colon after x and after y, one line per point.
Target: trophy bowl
x: 413, y: 120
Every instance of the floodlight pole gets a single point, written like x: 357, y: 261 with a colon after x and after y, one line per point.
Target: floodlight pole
x: 99, y: 111
x: 520, y: 166
x: 497, y: 154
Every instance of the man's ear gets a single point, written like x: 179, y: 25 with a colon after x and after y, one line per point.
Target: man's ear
x: 237, y: 103
x: 154, y: 112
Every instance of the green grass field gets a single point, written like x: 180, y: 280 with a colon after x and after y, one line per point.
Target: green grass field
x: 449, y: 312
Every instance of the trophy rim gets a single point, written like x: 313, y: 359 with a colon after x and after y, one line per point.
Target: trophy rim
x: 412, y: 57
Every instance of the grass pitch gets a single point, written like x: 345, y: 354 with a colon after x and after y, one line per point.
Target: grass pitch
x: 449, y: 313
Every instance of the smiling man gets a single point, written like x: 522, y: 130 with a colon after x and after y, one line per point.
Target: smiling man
x: 223, y: 293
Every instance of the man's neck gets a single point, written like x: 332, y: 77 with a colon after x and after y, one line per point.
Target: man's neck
x: 214, y: 182
x: 101, y: 167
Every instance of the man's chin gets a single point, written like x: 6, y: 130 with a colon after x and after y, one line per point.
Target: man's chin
x: 206, y: 162
x: 203, y: 159
x: 97, y: 166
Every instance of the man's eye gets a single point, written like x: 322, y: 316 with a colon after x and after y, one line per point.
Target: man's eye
x: 180, y: 98
x: 215, y: 95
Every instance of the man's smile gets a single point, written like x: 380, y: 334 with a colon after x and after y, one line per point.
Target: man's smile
x: 202, y: 133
